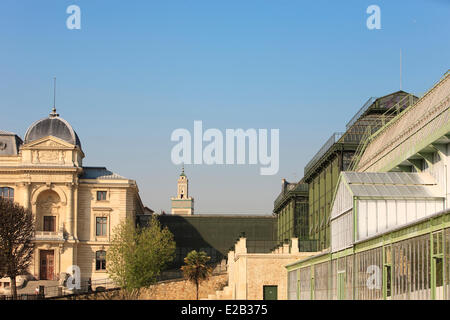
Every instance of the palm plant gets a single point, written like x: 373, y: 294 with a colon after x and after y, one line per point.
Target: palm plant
x: 196, y: 268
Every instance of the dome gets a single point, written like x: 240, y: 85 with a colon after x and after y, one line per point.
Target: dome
x: 52, y: 126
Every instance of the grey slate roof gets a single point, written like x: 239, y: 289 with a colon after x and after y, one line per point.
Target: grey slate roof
x: 392, y: 184
x: 52, y: 126
x: 9, y: 143
x: 99, y: 173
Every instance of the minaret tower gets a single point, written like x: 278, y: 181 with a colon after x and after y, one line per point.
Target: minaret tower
x: 183, y: 204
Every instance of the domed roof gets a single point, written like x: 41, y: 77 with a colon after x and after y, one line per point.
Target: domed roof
x: 52, y: 126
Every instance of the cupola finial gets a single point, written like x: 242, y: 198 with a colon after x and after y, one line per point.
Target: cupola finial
x: 53, y: 113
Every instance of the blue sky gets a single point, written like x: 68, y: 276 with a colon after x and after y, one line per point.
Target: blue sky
x: 137, y: 70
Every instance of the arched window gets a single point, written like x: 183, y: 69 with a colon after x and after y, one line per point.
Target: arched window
x: 7, y: 193
x: 100, y: 260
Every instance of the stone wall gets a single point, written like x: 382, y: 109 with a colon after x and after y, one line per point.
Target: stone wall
x: 183, y: 289
x: 248, y: 273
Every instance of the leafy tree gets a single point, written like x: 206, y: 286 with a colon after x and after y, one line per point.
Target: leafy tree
x: 137, y: 256
x: 16, y: 246
x: 196, y: 268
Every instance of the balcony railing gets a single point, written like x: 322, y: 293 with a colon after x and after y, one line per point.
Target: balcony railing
x: 48, y: 235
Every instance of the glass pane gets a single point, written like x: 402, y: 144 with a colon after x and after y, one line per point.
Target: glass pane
x: 388, y: 255
x: 98, y: 227
x: 439, y: 274
x: 101, y: 226
x: 388, y: 280
x: 49, y: 223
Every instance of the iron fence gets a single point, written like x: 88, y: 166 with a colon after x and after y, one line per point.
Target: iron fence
x: 267, y: 246
x: 58, y: 291
x: 22, y: 297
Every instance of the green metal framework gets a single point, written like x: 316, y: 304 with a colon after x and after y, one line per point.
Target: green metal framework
x: 291, y: 209
x: 341, y: 153
x: 404, y: 103
x: 412, y: 262
x: 217, y: 234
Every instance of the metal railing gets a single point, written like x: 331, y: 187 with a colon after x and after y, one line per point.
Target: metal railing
x: 332, y: 140
x: 267, y: 246
x: 360, y: 150
x: 361, y: 111
x: 308, y: 245
x: 22, y: 297
x: 86, y: 286
x: 391, y: 114
x: 298, y: 187
x: 261, y: 246
x: 59, y: 291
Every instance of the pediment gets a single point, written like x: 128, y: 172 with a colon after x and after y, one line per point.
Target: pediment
x: 49, y: 142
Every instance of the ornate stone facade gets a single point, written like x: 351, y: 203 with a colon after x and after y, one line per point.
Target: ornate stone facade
x: 76, y: 208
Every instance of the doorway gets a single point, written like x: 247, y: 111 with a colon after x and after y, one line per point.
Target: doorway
x: 341, y: 285
x: 270, y: 293
x: 47, y: 261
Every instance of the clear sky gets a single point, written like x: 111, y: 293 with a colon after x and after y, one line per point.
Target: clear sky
x: 137, y: 70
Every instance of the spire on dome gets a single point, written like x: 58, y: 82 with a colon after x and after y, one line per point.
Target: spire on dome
x: 53, y: 114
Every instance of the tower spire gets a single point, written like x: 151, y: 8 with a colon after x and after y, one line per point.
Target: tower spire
x: 53, y: 113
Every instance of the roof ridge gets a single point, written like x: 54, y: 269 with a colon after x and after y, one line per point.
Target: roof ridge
x: 8, y: 132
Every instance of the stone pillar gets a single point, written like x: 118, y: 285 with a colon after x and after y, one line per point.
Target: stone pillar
x: 294, y: 246
x: 74, y: 212
x: 285, y: 248
x: 26, y: 195
x: 69, y: 211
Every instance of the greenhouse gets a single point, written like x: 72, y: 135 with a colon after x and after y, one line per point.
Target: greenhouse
x: 411, y: 262
x: 390, y: 239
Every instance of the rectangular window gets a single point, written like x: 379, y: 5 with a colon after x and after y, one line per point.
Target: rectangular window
x: 100, y: 260
x: 101, y: 223
x: 50, y: 223
x: 101, y: 195
x: 7, y: 193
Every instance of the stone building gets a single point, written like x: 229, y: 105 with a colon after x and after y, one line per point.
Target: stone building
x: 257, y: 275
x: 75, y: 207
